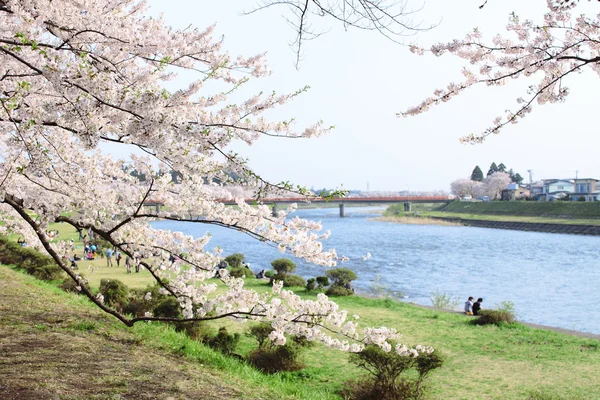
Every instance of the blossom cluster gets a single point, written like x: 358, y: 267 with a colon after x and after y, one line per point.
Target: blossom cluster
x: 78, y: 74
x: 548, y: 51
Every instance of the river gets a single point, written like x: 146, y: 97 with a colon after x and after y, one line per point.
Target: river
x: 552, y: 279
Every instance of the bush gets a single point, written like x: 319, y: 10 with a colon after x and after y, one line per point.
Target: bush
x: 240, y: 272
x: 69, y: 285
x: 322, y: 282
x: 235, y: 260
x: 33, y: 262
x: 283, y: 266
x: 224, y: 342
x: 444, y: 300
x: 291, y: 280
x: 115, y: 293
x: 339, y: 291
x: 270, y: 274
x: 494, y: 317
x: 167, y: 308
x: 311, y: 284
x: 261, y: 333
x: 341, y: 276
x: 270, y: 358
x: 276, y: 358
x: 391, y: 374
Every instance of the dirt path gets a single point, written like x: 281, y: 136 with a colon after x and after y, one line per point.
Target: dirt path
x: 50, y: 351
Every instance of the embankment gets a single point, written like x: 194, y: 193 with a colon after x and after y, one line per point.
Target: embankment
x: 593, y: 230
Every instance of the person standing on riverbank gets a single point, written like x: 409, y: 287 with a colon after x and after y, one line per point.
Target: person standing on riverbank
x: 469, y: 306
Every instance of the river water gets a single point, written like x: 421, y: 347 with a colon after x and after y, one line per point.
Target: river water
x: 552, y: 279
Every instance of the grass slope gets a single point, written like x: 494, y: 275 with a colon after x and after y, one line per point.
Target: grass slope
x: 80, y: 353
x: 552, y: 209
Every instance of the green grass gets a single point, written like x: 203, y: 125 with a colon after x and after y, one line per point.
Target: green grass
x: 557, y: 212
x: 482, y: 362
x: 548, y: 209
x: 486, y: 362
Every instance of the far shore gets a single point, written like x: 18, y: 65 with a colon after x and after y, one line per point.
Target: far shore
x: 415, y: 221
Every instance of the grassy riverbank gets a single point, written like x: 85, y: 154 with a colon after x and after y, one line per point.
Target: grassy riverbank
x: 73, y: 340
x: 558, y: 212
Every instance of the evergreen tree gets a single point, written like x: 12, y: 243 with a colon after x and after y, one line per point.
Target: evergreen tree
x: 493, y: 168
x: 517, y: 179
x: 501, y: 167
x: 477, y: 174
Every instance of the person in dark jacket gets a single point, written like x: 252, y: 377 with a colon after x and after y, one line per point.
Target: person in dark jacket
x: 477, y: 306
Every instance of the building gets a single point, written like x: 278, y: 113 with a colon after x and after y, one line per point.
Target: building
x: 586, y: 188
x: 554, y: 189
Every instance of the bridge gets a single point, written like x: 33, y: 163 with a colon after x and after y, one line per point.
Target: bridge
x: 342, y: 201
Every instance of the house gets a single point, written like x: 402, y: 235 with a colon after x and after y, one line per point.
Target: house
x: 556, y: 188
x: 586, y: 188
x: 536, y: 190
x: 514, y: 191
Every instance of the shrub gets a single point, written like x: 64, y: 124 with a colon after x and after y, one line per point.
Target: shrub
x: 270, y: 274
x: 292, y: 280
x: 283, y: 266
x: 115, y: 293
x: 270, y: 358
x: 322, y: 282
x: 391, y: 374
x: 444, y: 300
x: 339, y: 291
x: 167, y: 308
x: 341, y: 276
x: 235, y: 260
x: 224, y: 342
x: 240, y: 272
x: 139, y: 304
x: 261, y: 333
x: 32, y: 261
x: 311, y: 284
x: 276, y: 358
x: 69, y: 285
x: 494, y: 317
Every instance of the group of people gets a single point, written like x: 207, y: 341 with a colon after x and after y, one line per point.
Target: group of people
x: 473, y: 307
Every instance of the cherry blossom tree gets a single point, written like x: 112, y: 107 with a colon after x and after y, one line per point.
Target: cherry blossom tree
x: 493, y: 185
x: 465, y: 187
x: 546, y: 51
x: 391, y: 18
x: 75, y: 74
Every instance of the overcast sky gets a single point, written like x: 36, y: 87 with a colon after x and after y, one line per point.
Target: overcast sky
x: 360, y: 80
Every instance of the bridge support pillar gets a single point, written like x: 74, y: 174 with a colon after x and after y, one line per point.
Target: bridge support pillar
x: 274, y: 211
x: 407, y: 206
x: 342, y: 214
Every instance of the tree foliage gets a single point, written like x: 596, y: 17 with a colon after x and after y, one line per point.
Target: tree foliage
x: 560, y: 43
x: 75, y: 75
x: 477, y: 174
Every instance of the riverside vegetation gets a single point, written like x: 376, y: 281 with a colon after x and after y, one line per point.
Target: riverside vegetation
x: 501, y: 361
x: 556, y: 212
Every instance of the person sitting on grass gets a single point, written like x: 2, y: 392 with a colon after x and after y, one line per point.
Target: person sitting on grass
x: 477, y: 306
x: 469, y: 306
x: 261, y: 274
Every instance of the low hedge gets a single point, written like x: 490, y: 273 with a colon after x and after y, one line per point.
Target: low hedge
x: 32, y: 261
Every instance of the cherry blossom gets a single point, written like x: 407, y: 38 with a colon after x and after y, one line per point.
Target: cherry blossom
x: 78, y: 74
x: 545, y: 51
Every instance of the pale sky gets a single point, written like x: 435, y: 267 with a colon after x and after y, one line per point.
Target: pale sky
x: 360, y: 80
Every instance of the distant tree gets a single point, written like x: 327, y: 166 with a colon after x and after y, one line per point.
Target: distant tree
x: 477, y: 174
x: 493, y: 168
x: 493, y: 185
x: 501, y: 167
x: 464, y: 187
x: 517, y: 178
